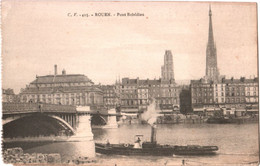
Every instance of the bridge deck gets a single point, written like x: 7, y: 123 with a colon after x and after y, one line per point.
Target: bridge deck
x: 25, y: 108
x: 19, y: 108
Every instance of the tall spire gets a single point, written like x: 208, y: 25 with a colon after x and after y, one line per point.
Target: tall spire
x: 211, y: 54
x: 210, y: 37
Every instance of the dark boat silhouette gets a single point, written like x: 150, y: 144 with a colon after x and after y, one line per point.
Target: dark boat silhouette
x: 153, y: 149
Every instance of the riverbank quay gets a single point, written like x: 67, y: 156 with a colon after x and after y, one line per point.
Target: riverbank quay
x: 17, y: 156
x: 188, y: 119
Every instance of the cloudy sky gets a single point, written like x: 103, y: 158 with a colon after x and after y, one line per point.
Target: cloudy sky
x: 37, y: 35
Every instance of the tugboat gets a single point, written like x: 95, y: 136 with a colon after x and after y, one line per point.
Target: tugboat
x: 152, y: 148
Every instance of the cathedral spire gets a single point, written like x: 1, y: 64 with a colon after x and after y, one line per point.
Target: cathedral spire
x: 211, y: 54
x: 210, y: 36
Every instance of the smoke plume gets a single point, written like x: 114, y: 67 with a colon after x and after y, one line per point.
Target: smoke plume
x: 150, y: 116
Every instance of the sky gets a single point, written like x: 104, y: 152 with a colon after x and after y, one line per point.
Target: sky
x: 38, y: 34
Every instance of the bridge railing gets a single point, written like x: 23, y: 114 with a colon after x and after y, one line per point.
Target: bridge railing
x: 11, y: 108
x: 58, y: 108
x: 19, y: 107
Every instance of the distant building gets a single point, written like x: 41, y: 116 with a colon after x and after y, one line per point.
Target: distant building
x: 8, y: 95
x: 129, y: 95
x: 137, y: 93
x: 228, y: 94
x: 167, y: 68
x: 66, y: 89
x: 143, y: 97
x: 111, y: 97
x: 202, y: 95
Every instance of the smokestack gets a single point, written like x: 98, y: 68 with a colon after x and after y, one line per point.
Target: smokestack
x: 153, y: 134
x: 63, y: 72
x: 55, y: 69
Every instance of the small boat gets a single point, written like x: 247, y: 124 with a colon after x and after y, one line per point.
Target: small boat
x: 152, y: 148
x: 218, y: 120
x: 225, y: 119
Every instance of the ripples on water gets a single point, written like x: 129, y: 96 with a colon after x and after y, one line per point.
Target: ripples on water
x: 237, y: 143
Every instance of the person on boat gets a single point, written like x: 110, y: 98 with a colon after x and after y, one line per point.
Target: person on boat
x: 138, y: 140
x: 108, y: 143
x: 138, y: 143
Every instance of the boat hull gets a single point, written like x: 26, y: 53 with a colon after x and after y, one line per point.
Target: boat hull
x: 158, y: 150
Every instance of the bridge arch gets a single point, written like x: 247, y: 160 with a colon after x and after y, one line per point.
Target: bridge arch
x: 36, y: 125
x: 97, y: 119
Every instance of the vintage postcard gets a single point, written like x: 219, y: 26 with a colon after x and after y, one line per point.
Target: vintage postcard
x: 129, y: 83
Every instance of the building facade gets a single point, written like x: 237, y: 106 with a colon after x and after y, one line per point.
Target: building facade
x: 136, y: 94
x: 111, y: 97
x: 65, y: 89
x: 202, y: 95
x: 228, y: 94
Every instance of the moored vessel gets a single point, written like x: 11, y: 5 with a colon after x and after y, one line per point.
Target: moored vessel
x: 152, y: 148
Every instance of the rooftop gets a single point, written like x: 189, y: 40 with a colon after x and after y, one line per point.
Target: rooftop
x: 64, y: 78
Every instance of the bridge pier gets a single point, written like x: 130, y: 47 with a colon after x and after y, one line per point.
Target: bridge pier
x: 111, y: 120
x: 83, y: 131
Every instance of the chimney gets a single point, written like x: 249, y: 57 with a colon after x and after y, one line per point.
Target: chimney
x: 153, y: 134
x: 63, y: 72
x: 55, y: 69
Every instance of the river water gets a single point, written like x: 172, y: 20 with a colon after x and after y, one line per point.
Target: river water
x: 238, y: 144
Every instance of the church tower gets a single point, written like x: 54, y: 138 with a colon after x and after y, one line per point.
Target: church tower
x: 167, y: 68
x: 212, y: 73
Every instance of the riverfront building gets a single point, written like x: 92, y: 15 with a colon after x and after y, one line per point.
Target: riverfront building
x: 135, y: 94
x: 228, y: 94
x: 111, y: 97
x: 65, y: 89
x: 211, y: 93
